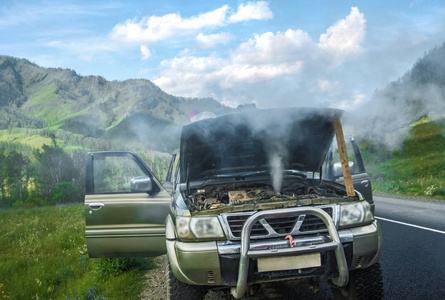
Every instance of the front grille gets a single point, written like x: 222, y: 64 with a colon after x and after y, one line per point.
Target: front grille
x: 280, y: 226
x: 312, y: 222
x: 236, y: 226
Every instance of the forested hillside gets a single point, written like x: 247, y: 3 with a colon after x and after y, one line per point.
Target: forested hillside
x: 419, y: 93
x: 402, y: 130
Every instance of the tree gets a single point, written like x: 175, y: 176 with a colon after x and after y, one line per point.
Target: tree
x: 56, y: 166
x: 79, y: 161
x: 3, y: 176
x: 18, y: 174
x: 63, y: 192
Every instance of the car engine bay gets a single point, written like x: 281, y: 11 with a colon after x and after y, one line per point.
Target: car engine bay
x: 214, y: 196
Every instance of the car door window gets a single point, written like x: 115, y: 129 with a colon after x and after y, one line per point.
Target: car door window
x: 113, y: 174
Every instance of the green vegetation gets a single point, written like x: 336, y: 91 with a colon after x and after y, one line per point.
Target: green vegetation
x: 43, y: 104
x: 43, y: 256
x: 416, y: 169
x: 52, y: 174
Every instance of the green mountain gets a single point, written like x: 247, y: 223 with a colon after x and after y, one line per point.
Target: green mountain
x: 92, y: 107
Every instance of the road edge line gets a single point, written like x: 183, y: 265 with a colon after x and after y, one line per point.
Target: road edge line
x: 411, y: 225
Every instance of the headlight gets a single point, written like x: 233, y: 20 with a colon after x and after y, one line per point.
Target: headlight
x: 355, y: 214
x: 199, y: 227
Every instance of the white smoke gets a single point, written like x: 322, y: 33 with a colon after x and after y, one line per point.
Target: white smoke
x: 277, y: 154
x: 276, y: 170
x: 387, y: 117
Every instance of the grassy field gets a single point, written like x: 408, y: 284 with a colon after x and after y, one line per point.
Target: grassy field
x: 416, y: 169
x: 43, y: 256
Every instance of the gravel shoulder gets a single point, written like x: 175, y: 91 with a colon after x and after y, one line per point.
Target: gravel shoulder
x: 155, y: 288
x: 154, y: 281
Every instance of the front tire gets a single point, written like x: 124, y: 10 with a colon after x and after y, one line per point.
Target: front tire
x: 178, y: 290
x: 364, y: 284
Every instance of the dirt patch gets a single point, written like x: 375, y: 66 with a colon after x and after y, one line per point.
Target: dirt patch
x: 155, y: 288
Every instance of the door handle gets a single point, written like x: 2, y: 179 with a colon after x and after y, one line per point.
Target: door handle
x: 365, y: 183
x: 96, y: 205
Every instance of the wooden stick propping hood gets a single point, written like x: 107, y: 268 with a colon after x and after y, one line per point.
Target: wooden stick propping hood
x: 350, y: 192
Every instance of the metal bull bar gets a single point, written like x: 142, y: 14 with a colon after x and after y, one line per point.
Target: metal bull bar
x: 246, y: 253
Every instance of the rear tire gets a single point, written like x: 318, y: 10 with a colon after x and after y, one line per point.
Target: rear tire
x: 178, y: 290
x: 365, y: 284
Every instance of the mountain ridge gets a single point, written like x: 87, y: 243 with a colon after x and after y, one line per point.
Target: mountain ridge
x: 38, y: 97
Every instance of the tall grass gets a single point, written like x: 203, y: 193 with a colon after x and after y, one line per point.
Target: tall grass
x: 416, y: 169
x: 43, y: 255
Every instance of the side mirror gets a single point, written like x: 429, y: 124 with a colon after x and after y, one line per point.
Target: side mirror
x: 337, y: 170
x: 141, y: 184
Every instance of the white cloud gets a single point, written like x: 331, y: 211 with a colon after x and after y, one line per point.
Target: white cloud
x: 252, y: 11
x: 235, y: 74
x: 87, y: 48
x: 151, y: 29
x: 272, y: 68
x: 154, y: 28
x: 354, y: 102
x: 280, y: 47
x: 345, y: 37
x: 212, y: 40
x: 229, y: 103
x: 328, y: 86
x: 21, y: 13
x: 145, y: 52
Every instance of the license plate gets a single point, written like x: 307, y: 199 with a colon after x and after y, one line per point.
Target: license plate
x: 281, y: 263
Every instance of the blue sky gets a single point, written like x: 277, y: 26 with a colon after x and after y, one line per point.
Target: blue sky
x: 273, y: 53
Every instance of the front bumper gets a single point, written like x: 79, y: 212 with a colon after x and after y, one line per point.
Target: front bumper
x: 235, y: 264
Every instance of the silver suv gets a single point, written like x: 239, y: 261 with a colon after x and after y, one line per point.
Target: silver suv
x: 249, y: 198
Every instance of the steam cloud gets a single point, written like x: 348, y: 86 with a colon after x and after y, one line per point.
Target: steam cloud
x: 387, y: 117
x: 275, y: 139
x: 276, y: 129
x: 276, y: 169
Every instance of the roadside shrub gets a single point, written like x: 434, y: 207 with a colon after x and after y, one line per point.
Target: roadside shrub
x: 431, y: 190
x: 30, y: 202
x: 64, y: 192
x: 105, y: 267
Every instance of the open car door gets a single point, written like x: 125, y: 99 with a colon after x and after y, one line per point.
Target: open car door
x: 125, y: 207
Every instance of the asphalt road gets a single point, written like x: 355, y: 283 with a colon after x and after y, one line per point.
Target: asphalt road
x: 413, y: 260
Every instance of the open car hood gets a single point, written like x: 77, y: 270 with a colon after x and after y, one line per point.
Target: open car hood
x: 257, y: 140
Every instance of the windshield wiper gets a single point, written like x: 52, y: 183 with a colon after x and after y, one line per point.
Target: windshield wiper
x: 295, y: 173
x: 242, y: 175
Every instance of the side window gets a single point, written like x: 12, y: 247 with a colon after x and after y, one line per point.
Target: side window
x: 332, y: 164
x: 173, y: 168
x: 114, y: 174
x: 170, y: 173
